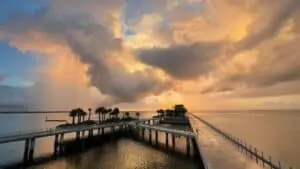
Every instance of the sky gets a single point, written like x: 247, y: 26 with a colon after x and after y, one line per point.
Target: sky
x: 142, y: 54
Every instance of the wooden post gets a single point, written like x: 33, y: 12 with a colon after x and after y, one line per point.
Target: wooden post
x: 26, y: 151
x: 256, y: 158
x: 31, y: 151
x: 150, y: 136
x: 250, y: 148
x: 173, y: 141
x: 188, y: 146
x: 143, y: 133
x: 156, y: 137
x: 167, y: 140
x: 263, y: 161
x: 56, y: 144
x: 61, y: 143
x: 112, y: 129
x: 102, y: 130
x: 270, y: 161
x: 77, y: 135
x: 89, y: 131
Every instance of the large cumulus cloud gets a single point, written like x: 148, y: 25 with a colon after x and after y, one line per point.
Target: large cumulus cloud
x: 89, y: 31
x: 267, y: 32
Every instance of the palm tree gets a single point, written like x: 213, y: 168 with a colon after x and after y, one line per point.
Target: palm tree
x: 116, y: 112
x: 73, y: 114
x: 109, y: 111
x: 100, y: 111
x: 90, y: 113
x: 78, y: 115
x: 127, y: 114
x: 137, y: 115
x: 160, y: 112
x: 83, y: 114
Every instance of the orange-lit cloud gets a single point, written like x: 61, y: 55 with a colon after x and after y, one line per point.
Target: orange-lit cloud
x: 203, y: 53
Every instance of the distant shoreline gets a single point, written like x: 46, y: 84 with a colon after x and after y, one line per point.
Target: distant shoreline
x: 131, y: 111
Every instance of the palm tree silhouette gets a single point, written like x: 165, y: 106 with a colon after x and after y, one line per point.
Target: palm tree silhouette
x: 137, y: 115
x: 160, y: 112
x: 80, y: 114
x: 115, y: 112
x: 83, y: 114
x: 100, y: 111
x: 90, y: 113
x: 108, y: 111
x: 127, y: 115
x: 73, y: 114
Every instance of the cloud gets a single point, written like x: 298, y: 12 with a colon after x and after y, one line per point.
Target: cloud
x: 2, y: 77
x: 224, y: 48
x: 256, y: 49
x: 63, y: 32
x: 182, y: 61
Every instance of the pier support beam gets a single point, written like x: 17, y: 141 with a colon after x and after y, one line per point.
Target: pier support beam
x: 188, y: 146
x: 55, y: 144
x: 150, y: 136
x: 156, y: 137
x: 173, y: 141
x: 112, y: 129
x: 60, y: 143
x: 26, y: 151
x: 102, y: 130
x: 78, y: 135
x: 31, y: 150
x: 167, y: 140
x: 143, y: 134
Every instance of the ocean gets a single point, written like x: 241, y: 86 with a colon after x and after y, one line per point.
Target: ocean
x: 277, y: 133
x: 119, y: 154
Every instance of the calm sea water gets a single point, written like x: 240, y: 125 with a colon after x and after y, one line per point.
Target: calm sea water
x: 122, y: 154
x: 276, y: 133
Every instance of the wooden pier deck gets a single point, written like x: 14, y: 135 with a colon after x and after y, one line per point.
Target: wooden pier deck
x: 217, y: 151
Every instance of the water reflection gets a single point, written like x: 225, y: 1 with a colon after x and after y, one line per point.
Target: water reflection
x: 122, y: 154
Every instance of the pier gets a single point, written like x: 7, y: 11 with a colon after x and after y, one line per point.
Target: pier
x: 220, y: 149
x: 84, y: 132
x: 208, y: 145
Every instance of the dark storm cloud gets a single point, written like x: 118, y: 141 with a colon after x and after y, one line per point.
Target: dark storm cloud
x: 182, y: 61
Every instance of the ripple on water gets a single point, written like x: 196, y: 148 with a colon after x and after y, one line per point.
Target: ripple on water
x: 122, y: 154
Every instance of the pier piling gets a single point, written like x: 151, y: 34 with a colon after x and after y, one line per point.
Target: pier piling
x: 55, y: 144
x: 156, y: 137
x: 167, y: 140
x: 26, y: 151
x: 188, y: 146
x: 173, y: 141
x: 150, y: 136
x: 31, y: 150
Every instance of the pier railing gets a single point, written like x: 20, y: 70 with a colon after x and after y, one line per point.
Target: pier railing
x: 259, y: 156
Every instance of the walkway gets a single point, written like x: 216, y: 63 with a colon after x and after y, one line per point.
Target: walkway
x: 217, y: 151
x: 54, y: 131
x: 168, y: 130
